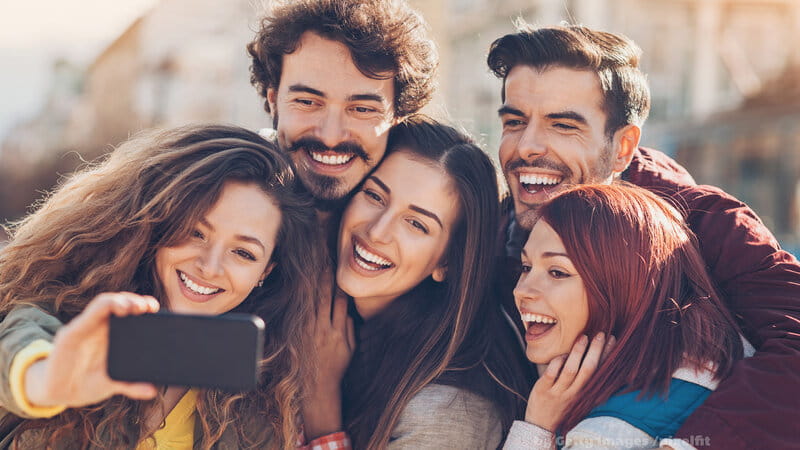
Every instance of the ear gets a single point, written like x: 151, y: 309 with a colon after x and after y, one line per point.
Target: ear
x: 439, y: 274
x: 626, y: 141
x: 267, y: 271
x: 272, y: 99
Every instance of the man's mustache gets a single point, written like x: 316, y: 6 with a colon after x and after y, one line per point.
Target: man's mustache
x: 315, y: 145
x: 538, y: 163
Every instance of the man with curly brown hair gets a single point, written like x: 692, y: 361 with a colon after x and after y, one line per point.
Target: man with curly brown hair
x: 335, y: 76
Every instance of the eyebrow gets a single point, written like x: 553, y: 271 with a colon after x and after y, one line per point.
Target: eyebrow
x: 307, y: 89
x: 299, y: 87
x: 548, y: 254
x: 366, y: 97
x: 505, y: 109
x: 416, y: 208
x: 570, y: 115
x: 241, y: 237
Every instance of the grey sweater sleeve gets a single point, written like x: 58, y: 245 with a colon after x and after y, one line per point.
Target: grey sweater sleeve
x: 446, y: 417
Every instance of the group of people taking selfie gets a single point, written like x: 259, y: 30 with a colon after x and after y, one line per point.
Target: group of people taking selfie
x: 605, y: 301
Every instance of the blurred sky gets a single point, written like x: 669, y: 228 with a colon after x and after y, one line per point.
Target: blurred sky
x: 35, y: 33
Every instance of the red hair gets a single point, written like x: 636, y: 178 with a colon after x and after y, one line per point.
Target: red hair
x: 647, y: 285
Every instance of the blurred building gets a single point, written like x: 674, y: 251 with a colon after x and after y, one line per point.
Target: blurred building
x: 184, y: 61
x: 708, y: 61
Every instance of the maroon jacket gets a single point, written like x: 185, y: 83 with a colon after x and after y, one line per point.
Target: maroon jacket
x: 758, y: 405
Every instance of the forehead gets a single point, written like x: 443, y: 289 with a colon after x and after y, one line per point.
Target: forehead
x: 423, y: 184
x: 245, y: 209
x: 327, y: 66
x: 554, y: 89
x: 543, y: 238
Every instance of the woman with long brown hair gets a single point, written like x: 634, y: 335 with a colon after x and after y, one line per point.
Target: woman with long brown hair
x: 199, y: 220
x: 435, y: 364
x: 621, y: 319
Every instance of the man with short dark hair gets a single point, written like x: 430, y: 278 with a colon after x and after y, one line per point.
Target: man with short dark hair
x: 574, y: 102
x: 336, y: 75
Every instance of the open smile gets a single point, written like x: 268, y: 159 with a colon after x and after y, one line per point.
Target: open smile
x: 537, y: 325
x: 535, y: 183
x: 329, y: 161
x: 196, y: 290
x: 368, y: 259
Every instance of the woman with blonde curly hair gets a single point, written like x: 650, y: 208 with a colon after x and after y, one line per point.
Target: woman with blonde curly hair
x: 201, y: 220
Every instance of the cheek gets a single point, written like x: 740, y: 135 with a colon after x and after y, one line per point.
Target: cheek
x: 506, y: 151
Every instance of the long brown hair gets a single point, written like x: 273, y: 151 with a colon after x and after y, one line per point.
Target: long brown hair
x: 99, y: 231
x: 647, y: 285
x: 450, y: 332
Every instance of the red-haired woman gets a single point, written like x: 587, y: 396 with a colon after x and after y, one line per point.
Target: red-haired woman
x: 621, y: 319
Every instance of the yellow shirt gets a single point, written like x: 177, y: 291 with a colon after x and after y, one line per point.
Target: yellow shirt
x: 178, y: 432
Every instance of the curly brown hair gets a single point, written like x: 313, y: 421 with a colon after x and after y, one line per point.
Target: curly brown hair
x: 99, y: 232
x: 383, y: 36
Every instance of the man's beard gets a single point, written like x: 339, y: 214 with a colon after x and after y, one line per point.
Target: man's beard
x: 324, y: 187
x: 598, y: 173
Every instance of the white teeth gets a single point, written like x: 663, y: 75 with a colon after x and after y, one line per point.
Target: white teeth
x: 529, y: 178
x: 538, y: 318
x: 371, y: 257
x: 196, y: 288
x: 333, y: 160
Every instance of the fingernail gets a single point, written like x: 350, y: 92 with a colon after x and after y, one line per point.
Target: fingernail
x: 600, y: 336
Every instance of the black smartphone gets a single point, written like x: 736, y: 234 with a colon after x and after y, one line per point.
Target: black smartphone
x: 220, y: 352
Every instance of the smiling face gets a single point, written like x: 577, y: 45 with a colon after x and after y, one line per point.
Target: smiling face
x: 395, y: 231
x: 332, y: 119
x: 550, y: 296
x: 228, y: 253
x: 554, y: 136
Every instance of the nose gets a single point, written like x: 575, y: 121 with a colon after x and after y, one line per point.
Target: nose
x: 526, y: 288
x: 209, y: 261
x: 380, y: 229
x: 531, y: 144
x: 332, y: 128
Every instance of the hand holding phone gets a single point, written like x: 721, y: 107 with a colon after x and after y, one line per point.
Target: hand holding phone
x: 74, y: 374
x: 219, y: 352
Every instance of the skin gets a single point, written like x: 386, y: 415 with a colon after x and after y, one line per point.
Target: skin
x: 550, y: 287
x: 228, y: 253
x: 385, y: 217
x: 74, y: 374
x: 554, y: 129
x: 404, y: 214
x: 336, y: 106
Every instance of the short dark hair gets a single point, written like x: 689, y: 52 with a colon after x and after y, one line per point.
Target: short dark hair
x: 613, y: 57
x: 383, y: 36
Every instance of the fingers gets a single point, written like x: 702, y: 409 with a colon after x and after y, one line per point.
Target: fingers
x: 135, y: 391
x: 339, y: 319
x: 553, y: 369
x: 610, y: 343
x: 573, y: 363
x: 120, y: 304
x: 326, y: 295
x: 591, y: 360
x: 351, y: 334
